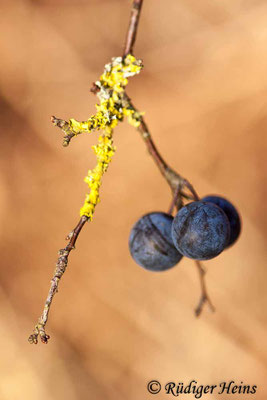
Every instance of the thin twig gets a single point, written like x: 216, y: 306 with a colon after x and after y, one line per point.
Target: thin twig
x: 172, y: 177
x: 61, y: 266
x: 204, y: 294
x: 132, y: 28
x: 65, y: 127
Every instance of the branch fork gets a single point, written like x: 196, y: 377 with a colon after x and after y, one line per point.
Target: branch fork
x: 176, y: 182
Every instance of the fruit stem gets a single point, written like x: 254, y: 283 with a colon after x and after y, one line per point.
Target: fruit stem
x: 177, y: 200
x: 204, y: 294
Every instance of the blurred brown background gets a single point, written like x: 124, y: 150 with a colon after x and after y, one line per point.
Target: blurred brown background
x: 113, y: 325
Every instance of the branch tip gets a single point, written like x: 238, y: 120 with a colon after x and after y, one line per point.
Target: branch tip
x: 39, y: 331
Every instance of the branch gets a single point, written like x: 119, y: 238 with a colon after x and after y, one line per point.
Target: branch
x: 172, y: 177
x: 61, y: 266
x: 62, y: 262
x: 176, y: 182
x: 132, y: 29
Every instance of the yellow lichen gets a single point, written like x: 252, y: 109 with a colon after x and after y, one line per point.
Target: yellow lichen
x: 111, y: 94
x: 104, y: 151
x: 112, y: 109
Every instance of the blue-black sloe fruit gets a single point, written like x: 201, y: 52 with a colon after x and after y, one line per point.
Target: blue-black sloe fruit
x: 231, y: 213
x: 200, y: 230
x: 151, y: 244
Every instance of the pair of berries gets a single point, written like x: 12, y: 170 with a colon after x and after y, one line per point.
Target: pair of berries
x: 201, y: 230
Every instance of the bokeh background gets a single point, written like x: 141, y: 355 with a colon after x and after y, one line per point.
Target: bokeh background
x: 114, y: 326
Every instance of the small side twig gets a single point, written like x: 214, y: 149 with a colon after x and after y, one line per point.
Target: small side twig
x: 204, y: 294
x: 61, y: 266
x: 65, y: 127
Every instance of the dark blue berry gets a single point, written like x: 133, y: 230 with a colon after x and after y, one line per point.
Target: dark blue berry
x: 231, y: 213
x: 151, y: 244
x: 200, y: 230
